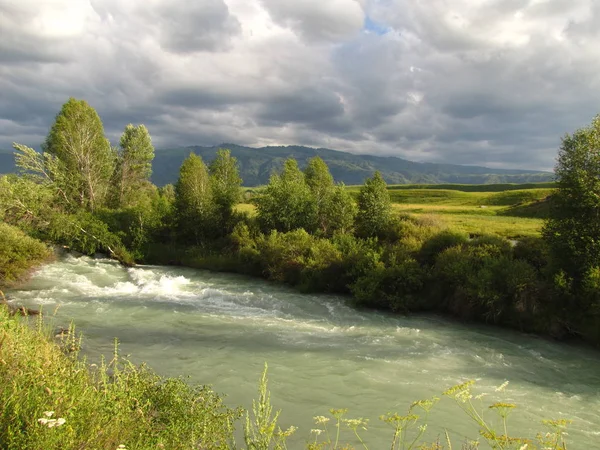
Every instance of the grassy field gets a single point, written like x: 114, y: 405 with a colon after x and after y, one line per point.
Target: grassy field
x: 511, y: 211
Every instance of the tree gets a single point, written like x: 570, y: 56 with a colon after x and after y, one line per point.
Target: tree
x: 225, y: 182
x: 286, y: 203
x: 194, y: 206
x: 340, y: 211
x: 134, y: 164
x: 82, y: 158
x: 573, y: 228
x: 334, y: 207
x: 374, y: 207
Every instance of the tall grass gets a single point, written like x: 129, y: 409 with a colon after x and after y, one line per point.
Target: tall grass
x: 51, y: 399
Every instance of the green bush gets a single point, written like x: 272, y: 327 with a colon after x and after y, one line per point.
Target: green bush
x: 18, y: 253
x: 395, y: 288
x: 481, y: 282
x: 438, y: 243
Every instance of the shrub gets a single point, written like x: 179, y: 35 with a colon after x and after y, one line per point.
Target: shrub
x: 440, y: 242
x: 533, y: 250
x: 18, y: 253
x: 395, y: 288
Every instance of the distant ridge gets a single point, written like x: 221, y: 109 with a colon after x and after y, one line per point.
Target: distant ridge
x: 257, y: 165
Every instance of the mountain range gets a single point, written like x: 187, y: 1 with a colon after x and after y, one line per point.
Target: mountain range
x: 257, y: 165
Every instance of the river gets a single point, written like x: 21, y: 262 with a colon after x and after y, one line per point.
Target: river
x: 220, y: 329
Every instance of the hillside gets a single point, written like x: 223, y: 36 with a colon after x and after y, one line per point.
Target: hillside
x: 257, y: 165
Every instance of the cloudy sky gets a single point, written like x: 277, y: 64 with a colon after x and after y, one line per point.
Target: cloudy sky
x: 489, y: 82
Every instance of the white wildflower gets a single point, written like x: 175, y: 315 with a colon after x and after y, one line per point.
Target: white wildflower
x: 321, y: 419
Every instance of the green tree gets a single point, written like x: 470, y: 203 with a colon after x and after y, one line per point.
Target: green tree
x: 374, y: 208
x: 286, y: 203
x: 134, y: 164
x: 334, y: 207
x: 573, y: 228
x: 81, y: 161
x: 226, y: 185
x: 340, y: 211
x: 194, y: 205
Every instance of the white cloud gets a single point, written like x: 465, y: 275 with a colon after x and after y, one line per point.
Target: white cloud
x: 461, y: 81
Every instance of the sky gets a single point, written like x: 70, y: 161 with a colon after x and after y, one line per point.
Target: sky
x: 486, y: 82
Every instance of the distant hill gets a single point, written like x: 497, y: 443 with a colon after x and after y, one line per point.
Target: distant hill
x: 257, y: 165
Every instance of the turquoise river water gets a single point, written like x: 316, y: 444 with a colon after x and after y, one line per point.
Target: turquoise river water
x: 220, y: 329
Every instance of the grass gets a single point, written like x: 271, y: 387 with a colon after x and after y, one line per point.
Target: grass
x: 51, y: 399
x: 505, y: 226
x: 511, y: 211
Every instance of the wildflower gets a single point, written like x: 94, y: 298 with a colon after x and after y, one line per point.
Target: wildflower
x: 288, y: 432
x: 121, y: 447
x: 338, y: 413
x: 425, y: 404
x: 459, y: 388
x: 463, y: 396
x: 398, y: 419
x: 355, y: 423
x: 321, y: 419
x: 316, y: 431
x: 51, y: 423
x: 503, y: 408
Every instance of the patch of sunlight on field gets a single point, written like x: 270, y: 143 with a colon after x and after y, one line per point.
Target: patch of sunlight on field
x: 428, y: 208
x: 506, y: 226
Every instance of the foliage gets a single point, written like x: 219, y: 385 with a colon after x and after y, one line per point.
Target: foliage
x: 194, y: 204
x: 438, y: 243
x: 261, y: 432
x: 18, y: 253
x: 374, y: 208
x: 226, y: 184
x: 481, y: 280
x: 394, y: 287
x: 286, y: 203
x: 133, y: 166
x: 26, y: 203
x: 573, y: 230
x: 80, y: 160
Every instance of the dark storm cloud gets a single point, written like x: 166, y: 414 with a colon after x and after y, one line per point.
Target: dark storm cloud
x: 307, y: 106
x: 455, y: 81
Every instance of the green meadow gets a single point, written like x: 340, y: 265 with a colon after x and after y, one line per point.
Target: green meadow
x: 508, y: 210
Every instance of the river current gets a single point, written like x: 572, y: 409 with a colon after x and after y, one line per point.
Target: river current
x: 220, y: 329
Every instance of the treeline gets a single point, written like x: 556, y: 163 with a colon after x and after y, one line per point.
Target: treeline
x: 309, y: 232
